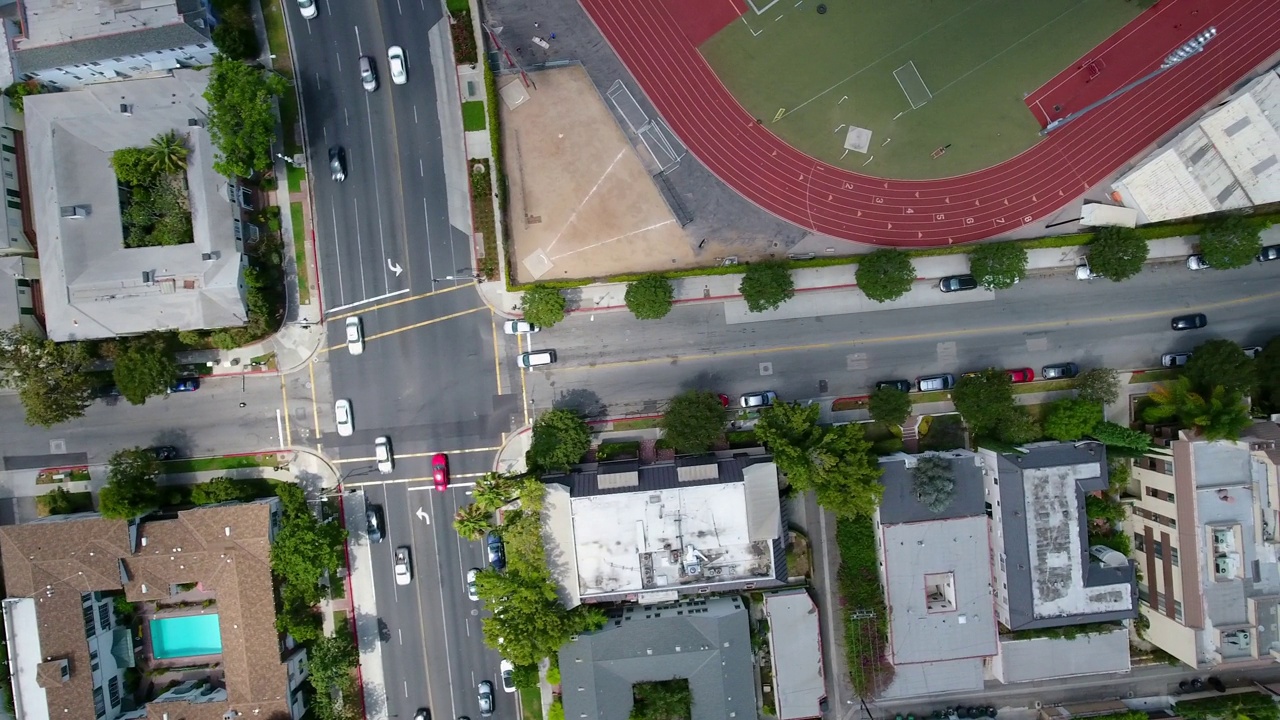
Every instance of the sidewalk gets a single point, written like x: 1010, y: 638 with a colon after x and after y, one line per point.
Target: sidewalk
x: 826, y: 290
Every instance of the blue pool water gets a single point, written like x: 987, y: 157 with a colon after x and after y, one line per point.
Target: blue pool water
x: 176, y: 637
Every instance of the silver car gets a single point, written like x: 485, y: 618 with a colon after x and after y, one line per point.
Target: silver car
x: 758, y: 399
x: 471, y: 584
x: 368, y: 75
x: 383, y: 455
x: 484, y: 691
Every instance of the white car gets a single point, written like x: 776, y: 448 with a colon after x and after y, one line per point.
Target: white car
x: 471, y: 584
x: 382, y: 453
x: 1197, y: 262
x: 519, y: 327
x: 404, y: 573
x: 399, y: 66
x: 308, y: 8
x: 355, y: 336
x: 342, y: 414
x: 508, y: 671
x: 1084, y: 272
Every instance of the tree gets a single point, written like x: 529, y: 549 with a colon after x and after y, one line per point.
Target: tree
x: 51, y: 378
x: 242, y: 120
x: 1230, y: 242
x: 298, y: 616
x: 889, y: 405
x: 1221, y: 362
x: 1117, y: 253
x: 133, y: 167
x: 984, y: 399
x: 131, y: 489
x: 1236, y: 706
x: 1267, y: 367
x: 493, y: 490
x: 543, y: 305
x: 1119, y: 436
x: 661, y: 700
x: 932, y: 482
x: 234, y: 40
x: 560, y: 439
x: 305, y: 549
x: 330, y: 661
x: 766, y: 285
x: 472, y: 521
x: 143, y: 368
x: 1071, y: 419
x: 649, y: 298
x: 1018, y: 427
x: 1099, y: 385
x: 168, y: 153
x: 1096, y: 508
x: 836, y: 463
x: 885, y: 274
x: 58, y: 501
x: 694, y: 420
x: 999, y: 265
x: 21, y: 89
x: 217, y: 490
x: 1222, y: 415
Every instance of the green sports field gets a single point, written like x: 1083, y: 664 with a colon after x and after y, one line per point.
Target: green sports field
x: 978, y: 59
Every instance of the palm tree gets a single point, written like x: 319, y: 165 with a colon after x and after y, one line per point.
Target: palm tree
x: 472, y: 521
x: 1221, y: 416
x: 493, y: 491
x: 168, y: 153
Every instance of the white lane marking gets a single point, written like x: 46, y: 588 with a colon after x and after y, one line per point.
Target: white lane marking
x: 406, y: 688
x: 426, y: 219
x: 337, y: 249
x: 415, y: 114
x: 382, y: 235
x: 364, y: 290
x: 422, y: 172
x: 359, y: 48
x: 423, y: 515
x: 399, y: 8
x: 366, y: 301
x: 346, y: 117
x: 400, y: 632
x: 453, y: 704
x: 339, y: 56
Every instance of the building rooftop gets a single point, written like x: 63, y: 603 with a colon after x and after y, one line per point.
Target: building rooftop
x: 795, y: 645
x: 226, y: 548
x: 900, y: 504
x: 1048, y: 658
x: 93, y: 286
x: 705, y: 641
x: 61, y: 33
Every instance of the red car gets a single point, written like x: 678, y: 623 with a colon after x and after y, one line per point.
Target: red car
x: 1022, y: 375
x: 440, y: 471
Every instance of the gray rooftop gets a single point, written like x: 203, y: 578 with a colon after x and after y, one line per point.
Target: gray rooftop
x: 935, y: 678
x: 1053, y: 580
x: 706, y: 641
x: 93, y: 286
x: 900, y: 505
x: 61, y: 33
x: 795, y: 644
x: 1046, y: 658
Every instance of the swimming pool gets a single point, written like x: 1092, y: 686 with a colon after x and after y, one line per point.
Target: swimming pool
x: 176, y: 637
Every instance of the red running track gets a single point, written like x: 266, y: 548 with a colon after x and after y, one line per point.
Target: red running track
x: 743, y: 154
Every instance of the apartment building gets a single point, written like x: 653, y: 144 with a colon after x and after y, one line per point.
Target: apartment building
x: 19, y: 269
x: 1204, y: 520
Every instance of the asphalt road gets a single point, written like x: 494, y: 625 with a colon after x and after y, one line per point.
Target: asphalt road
x: 615, y: 365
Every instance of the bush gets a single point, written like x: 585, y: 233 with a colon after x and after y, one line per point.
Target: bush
x: 766, y: 285
x: 889, y: 405
x: 649, y: 298
x: 21, y: 89
x: 885, y: 274
x: 693, y: 421
x: 1071, y: 419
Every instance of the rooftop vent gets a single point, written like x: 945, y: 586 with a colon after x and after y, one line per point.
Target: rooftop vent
x: 74, y: 211
x: 206, y: 256
x: 147, y: 277
x: 126, y: 109
x: 194, y: 122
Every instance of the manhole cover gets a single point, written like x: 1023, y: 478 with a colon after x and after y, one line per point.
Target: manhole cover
x: 766, y: 368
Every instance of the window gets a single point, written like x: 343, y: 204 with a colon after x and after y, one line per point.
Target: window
x: 113, y: 691
x: 1173, y: 556
x: 93, y: 660
x: 9, y: 148
x: 14, y: 204
x: 12, y: 193
x: 1177, y: 611
x: 988, y: 509
x: 99, y: 707
x: 1157, y: 549
x: 104, y: 615
x: 1139, y: 542
x: 89, y: 629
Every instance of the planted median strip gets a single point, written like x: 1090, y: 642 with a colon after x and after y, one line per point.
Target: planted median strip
x: 226, y: 462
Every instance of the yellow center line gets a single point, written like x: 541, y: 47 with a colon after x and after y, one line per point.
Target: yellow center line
x: 1047, y: 325
x: 497, y: 359
x: 524, y: 390
x: 414, y: 326
x: 391, y: 303
x: 284, y: 400
x: 422, y: 454
x: 315, y: 408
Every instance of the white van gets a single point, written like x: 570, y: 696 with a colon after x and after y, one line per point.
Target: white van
x: 536, y: 358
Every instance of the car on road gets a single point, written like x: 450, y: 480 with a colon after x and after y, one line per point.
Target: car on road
x: 1252, y: 352
x: 440, y: 471
x: 1021, y: 375
x: 533, y: 359
x: 368, y: 74
x: 373, y: 523
x: 497, y: 552
x: 1197, y: 262
x: 1059, y: 371
x: 355, y: 336
x: 1173, y: 360
x: 484, y: 693
x: 342, y: 417
x: 472, y: 574
x: 956, y: 283
x: 164, y: 452
x: 422, y: 714
x: 308, y: 8
x: 1084, y: 272
x: 106, y: 391
x: 382, y: 454
x: 337, y: 163
x: 762, y: 399
x: 930, y: 383
x: 403, y: 570
x: 398, y: 65
x: 900, y: 385
x: 507, y: 672
x: 185, y: 385
x: 1268, y: 253
x: 519, y: 327
x: 724, y: 400
x: 1194, y: 321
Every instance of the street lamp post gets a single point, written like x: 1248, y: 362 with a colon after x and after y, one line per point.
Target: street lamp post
x: 1194, y: 46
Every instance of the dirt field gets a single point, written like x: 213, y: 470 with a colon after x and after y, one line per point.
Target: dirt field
x: 582, y: 202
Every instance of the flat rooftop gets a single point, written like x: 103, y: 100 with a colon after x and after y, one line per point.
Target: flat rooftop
x: 51, y: 22
x: 795, y: 644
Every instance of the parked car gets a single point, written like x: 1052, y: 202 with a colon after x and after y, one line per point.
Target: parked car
x: 1268, y: 253
x: 106, y: 391
x: 308, y: 8
x: 185, y: 385
x: 368, y: 74
x: 1189, y: 322
x: 1061, y: 370
x: 398, y: 65
x: 1021, y: 375
x: 519, y: 327
x: 1253, y: 351
x: 422, y: 714
x: 373, y: 523
x: 497, y: 552
x: 507, y: 671
x: 484, y: 692
x: 536, y: 358
x: 1197, y: 262
x: 164, y: 452
x: 337, y: 163
x: 929, y: 383
x: 342, y: 417
x: 440, y: 471
x: 762, y: 399
x: 902, y: 385
x: 1172, y: 360
x: 471, y: 584
x: 382, y: 454
x: 355, y: 336
x: 724, y: 400
x: 956, y: 283
x: 403, y: 570
x: 1084, y: 272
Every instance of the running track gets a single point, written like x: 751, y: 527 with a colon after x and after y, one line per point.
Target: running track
x: 814, y: 195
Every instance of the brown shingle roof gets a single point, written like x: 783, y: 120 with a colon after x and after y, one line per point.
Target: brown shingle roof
x: 226, y: 548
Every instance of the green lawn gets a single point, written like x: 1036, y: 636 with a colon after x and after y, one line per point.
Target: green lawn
x: 473, y: 115
x: 80, y: 502
x: 227, y: 462
x: 457, y: 5
x: 296, y: 176
x: 978, y: 58
x: 300, y: 251
x: 640, y: 424
x: 278, y: 42
x: 1044, y: 386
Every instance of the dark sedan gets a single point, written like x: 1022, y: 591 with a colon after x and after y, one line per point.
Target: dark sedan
x: 902, y: 385
x: 1061, y: 370
x: 956, y: 283
x: 1194, y: 321
x: 497, y: 552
